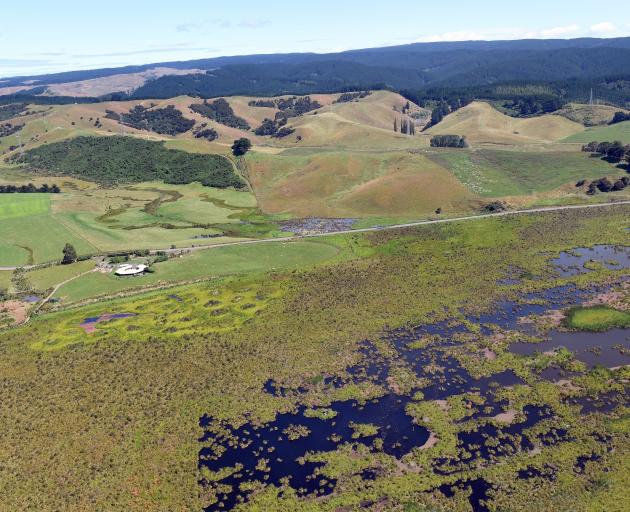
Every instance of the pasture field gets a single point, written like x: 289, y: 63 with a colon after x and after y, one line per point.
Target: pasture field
x: 133, y: 389
x: 353, y: 184
x: 35, y: 227
x: 43, y: 279
x: 23, y: 205
x: 5, y: 280
x: 618, y: 131
x: 204, y: 264
x: 481, y: 123
x: 499, y: 173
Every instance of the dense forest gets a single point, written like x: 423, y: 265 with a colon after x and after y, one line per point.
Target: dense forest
x: 221, y: 112
x: 113, y: 160
x: 523, y: 99
x: 165, y: 121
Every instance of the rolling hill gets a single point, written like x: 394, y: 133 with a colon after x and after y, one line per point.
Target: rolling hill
x: 481, y: 123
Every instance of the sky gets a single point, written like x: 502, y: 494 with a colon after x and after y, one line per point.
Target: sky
x: 41, y: 36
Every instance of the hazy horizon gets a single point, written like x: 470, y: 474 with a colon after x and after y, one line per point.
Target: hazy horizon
x: 66, y: 38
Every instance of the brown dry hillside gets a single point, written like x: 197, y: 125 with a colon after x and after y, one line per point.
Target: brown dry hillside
x: 347, y: 184
x: 482, y: 123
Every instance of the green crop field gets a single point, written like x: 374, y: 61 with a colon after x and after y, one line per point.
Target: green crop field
x: 496, y: 173
x: 618, y: 131
x: 22, y: 205
x: 205, y: 264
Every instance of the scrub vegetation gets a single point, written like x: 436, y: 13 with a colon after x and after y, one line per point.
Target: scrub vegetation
x: 110, y: 419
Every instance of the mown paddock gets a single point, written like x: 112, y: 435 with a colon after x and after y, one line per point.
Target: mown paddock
x: 205, y: 263
x: 29, y: 234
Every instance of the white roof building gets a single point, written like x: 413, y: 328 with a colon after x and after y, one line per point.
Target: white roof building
x: 130, y: 270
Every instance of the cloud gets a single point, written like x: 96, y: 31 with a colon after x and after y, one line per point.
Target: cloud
x: 605, y: 28
x: 568, y: 30
x: 254, y: 23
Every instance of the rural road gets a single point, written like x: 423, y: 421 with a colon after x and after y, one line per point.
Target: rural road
x: 375, y: 228
x: 395, y: 226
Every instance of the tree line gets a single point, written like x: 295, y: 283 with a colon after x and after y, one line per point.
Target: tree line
x: 30, y: 189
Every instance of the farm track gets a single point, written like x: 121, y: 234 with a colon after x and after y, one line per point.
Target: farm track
x: 374, y: 228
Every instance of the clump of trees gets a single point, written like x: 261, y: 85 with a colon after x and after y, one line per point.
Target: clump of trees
x: 612, y: 151
x: 606, y: 185
x: 275, y: 129
x: 405, y: 126
x: 115, y: 160
x: 69, y: 254
x: 30, y: 189
x: 348, y: 97
x: 221, y: 112
x: 448, y: 141
x: 203, y: 132
x: 165, y: 121
x: 295, y: 107
x: 620, y: 117
x: 241, y: 146
x: 263, y: 103
x: 9, y: 129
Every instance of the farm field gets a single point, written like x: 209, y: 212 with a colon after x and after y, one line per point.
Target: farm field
x: 180, y: 368
x: 497, y: 173
x: 618, y: 131
x: 204, y: 264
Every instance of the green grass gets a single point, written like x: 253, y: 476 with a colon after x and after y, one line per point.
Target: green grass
x: 36, y: 239
x: 23, y: 205
x: 496, y: 173
x: 5, y: 279
x: 205, y: 264
x: 45, y: 278
x: 618, y: 131
x: 597, y: 318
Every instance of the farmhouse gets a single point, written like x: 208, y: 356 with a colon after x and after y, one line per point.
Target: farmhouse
x: 130, y: 270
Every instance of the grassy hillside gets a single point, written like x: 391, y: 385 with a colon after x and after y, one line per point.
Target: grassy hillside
x: 481, y: 123
x: 348, y: 184
x: 497, y: 173
x: 619, y: 131
x: 589, y: 115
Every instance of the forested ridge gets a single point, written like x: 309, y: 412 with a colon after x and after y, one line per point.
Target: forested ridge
x: 115, y: 160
